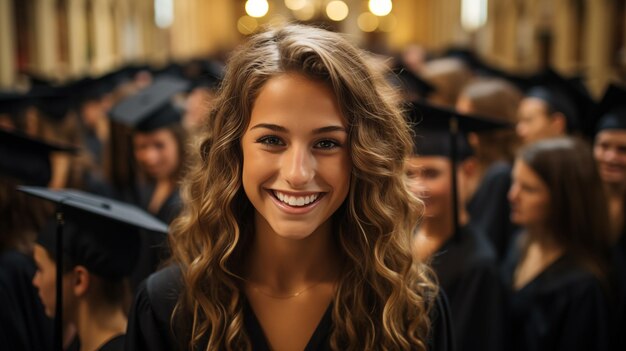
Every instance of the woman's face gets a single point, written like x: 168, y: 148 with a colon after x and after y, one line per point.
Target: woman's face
x: 609, y: 151
x: 529, y: 197
x: 296, y: 161
x: 157, y: 153
x: 431, y: 177
x: 45, y: 282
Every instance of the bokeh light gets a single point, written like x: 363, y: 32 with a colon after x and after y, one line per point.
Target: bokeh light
x: 257, y: 8
x: 380, y: 7
x: 337, y: 10
x: 367, y: 22
x: 295, y: 4
x: 306, y: 13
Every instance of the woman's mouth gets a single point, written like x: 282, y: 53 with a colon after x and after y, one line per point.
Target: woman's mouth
x: 297, y: 201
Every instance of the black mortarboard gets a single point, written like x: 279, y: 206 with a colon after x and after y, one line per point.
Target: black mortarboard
x: 90, y: 89
x: 563, y: 95
x: 97, y: 232
x: 401, y: 78
x: 151, y: 108
x: 210, y: 75
x: 610, y: 112
x: 483, y: 69
x: 13, y: 103
x: 441, y: 121
x: 172, y: 69
x: 27, y: 159
x: 437, y: 143
x: 431, y: 117
x: 53, y: 102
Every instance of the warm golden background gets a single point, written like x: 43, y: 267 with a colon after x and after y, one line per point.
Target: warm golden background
x: 65, y: 39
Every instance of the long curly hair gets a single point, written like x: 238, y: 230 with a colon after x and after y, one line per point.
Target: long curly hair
x: 384, y: 296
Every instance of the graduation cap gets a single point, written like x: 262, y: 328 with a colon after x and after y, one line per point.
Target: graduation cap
x: 89, y: 89
x: 13, y: 103
x: 483, y: 69
x: 563, y: 95
x: 609, y: 113
x: 151, y: 108
x: 27, y: 159
x: 442, y: 121
x: 53, y: 101
x: 402, y: 78
x: 97, y: 232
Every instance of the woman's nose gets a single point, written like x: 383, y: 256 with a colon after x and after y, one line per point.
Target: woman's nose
x: 298, y: 167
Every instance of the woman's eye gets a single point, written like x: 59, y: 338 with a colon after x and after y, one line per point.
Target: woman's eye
x: 429, y: 173
x: 327, y: 144
x: 271, y: 141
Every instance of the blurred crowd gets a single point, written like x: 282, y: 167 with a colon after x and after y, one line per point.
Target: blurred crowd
x: 523, y: 179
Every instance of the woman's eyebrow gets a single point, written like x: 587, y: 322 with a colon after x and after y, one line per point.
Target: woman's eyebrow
x: 274, y: 127
x: 282, y: 129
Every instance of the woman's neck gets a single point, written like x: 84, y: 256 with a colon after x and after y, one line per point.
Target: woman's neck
x: 539, y: 254
x: 97, y: 325
x: 162, y: 191
x: 284, y: 265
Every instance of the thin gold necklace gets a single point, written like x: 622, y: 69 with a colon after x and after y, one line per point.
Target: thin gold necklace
x: 282, y: 297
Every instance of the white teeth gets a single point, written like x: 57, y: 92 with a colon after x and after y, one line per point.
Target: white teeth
x: 296, y: 200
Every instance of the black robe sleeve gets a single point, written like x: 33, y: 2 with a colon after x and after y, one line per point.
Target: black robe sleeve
x: 478, y: 311
x: 587, y: 321
x: 149, y: 323
x: 441, y: 337
x: 467, y: 271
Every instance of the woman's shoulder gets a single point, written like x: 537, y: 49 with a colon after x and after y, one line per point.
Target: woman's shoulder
x: 441, y: 326
x: 150, y: 321
x: 162, y: 289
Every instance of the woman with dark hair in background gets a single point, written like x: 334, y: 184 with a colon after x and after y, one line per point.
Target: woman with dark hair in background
x: 558, y: 272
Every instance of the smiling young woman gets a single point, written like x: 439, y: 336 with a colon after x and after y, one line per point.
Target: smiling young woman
x: 297, y: 220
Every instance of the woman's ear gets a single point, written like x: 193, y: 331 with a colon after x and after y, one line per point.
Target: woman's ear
x: 81, y: 281
x: 469, y: 167
x: 473, y: 140
x: 559, y: 124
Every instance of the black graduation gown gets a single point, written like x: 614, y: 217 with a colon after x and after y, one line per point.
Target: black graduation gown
x: 23, y: 323
x: 466, y: 267
x: 114, y: 344
x: 489, y: 208
x: 154, y: 249
x: 169, y: 209
x: 563, y: 309
x: 619, y: 265
x: 149, y: 321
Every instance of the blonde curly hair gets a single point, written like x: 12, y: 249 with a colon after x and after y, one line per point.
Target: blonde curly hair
x: 384, y: 296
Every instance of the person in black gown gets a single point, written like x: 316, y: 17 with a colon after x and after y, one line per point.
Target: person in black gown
x: 609, y: 149
x: 561, y: 289
x: 23, y: 161
x: 158, y: 145
x: 465, y: 261
x: 297, y: 220
x: 99, y: 255
x: 494, y: 150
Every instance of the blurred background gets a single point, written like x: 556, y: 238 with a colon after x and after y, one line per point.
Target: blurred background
x: 68, y: 39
